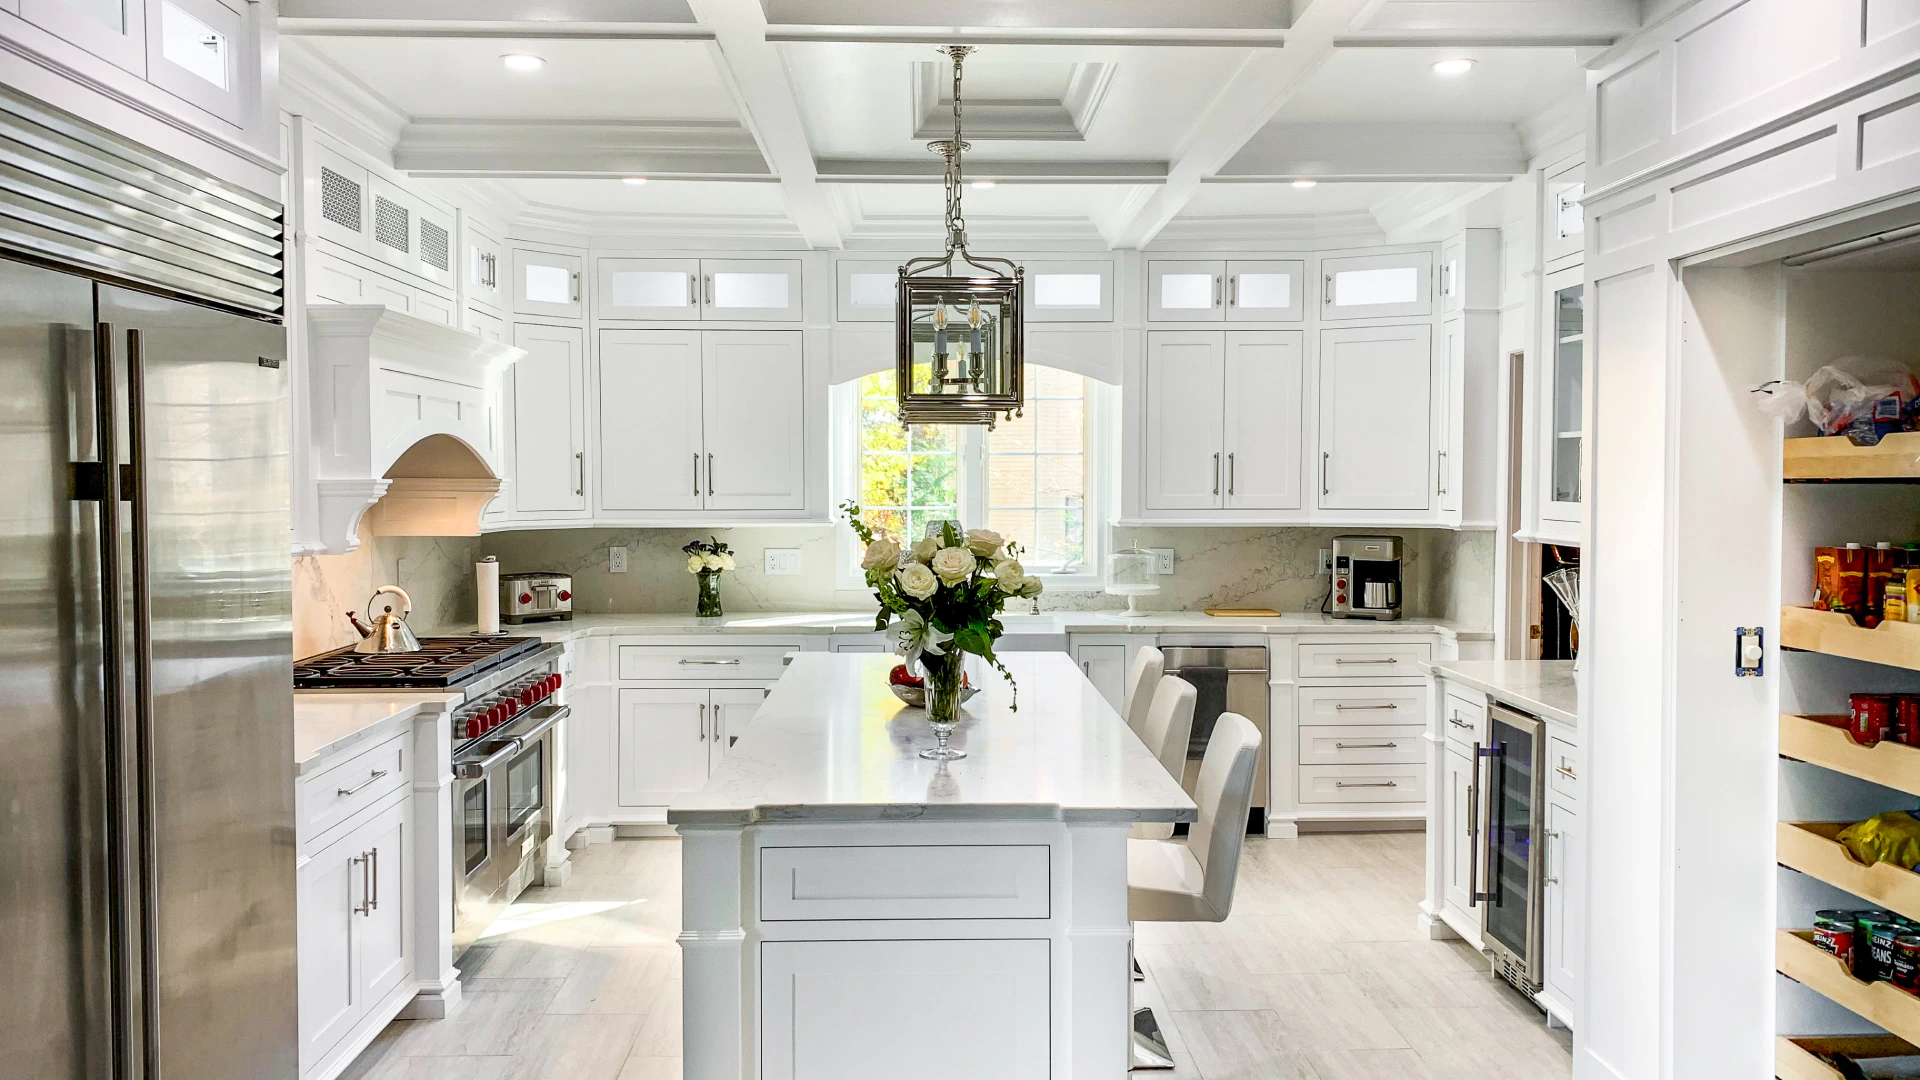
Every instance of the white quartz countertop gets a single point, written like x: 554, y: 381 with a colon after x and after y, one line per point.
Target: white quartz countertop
x: 1541, y: 687
x: 832, y: 743
x: 1047, y: 622
x: 327, y: 722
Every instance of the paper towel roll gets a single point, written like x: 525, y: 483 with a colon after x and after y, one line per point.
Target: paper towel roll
x: 486, y: 582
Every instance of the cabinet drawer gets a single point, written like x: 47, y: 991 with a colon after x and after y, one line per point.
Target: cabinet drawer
x: 1400, y: 783
x: 1466, y: 719
x: 1563, y: 767
x: 721, y: 662
x: 1397, y: 745
x: 335, y: 794
x: 979, y: 881
x: 1375, y: 706
x: 1363, y: 660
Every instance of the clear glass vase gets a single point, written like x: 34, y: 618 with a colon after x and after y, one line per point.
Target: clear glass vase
x: 946, y: 682
x: 709, y: 595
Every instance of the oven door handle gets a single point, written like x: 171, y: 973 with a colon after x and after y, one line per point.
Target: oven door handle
x: 544, y: 724
x: 474, y: 770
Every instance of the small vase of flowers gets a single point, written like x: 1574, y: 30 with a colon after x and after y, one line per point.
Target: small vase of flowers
x: 943, y: 597
x: 708, y: 559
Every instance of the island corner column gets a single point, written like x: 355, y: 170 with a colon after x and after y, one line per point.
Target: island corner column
x: 1100, y: 951
x: 716, y: 971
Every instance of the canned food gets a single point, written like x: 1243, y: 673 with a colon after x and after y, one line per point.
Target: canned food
x: 1874, y: 932
x: 1906, y: 963
x: 1833, y: 932
x: 1871, y: 717
x: 1906, y: 719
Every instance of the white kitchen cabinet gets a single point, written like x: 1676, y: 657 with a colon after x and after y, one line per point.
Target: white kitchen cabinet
x: 1458, y: 813
x: 753, y: 411
x: 744, y: 290
x: 651, y: 446
x: 548, y: 400
x: 646, y: 288
x: 546, y: 283
x: 355, y: 927
x: 663, y: 751
x: 198, y: 51
x: 336, y: 188
x: 1266, y: 291
x: 1377, y: 286
x: 390, y: 224
x: 1470, y: 271
x: 1185, y: 424
x: 729, y: 712
x: 1182, y: 290
x: 1223, y: 419
x: 1069, y: 291
x: 1264, y: 421
x: 865, y: 290
x: 481, y: 265
x: 1376, y: 418
x: 1563, y: 236
x: 434, y: 251
x: 113, y: 30
x: 488, y: 327
x: 753, y: 290
x: 1106, y: 667
x: 1558, y: 407
x: 1449, y: 436
x: 332, y: 279
x: 1560, y: 932
x: 435, y: 308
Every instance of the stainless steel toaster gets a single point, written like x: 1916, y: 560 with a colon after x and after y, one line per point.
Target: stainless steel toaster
x: 541, y: 594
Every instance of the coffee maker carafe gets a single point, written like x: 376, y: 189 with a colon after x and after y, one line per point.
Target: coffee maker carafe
x: 1366, y: 577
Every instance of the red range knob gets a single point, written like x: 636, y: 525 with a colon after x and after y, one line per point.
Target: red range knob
x: 1342, y: 598
x: 526, y: 598
x: 556, y: 680
x: 553, y: 683
x: 472, y: 726
x: 565, y: 595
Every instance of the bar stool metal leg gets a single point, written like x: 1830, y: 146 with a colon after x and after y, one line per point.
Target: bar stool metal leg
x: 1149, y: 1043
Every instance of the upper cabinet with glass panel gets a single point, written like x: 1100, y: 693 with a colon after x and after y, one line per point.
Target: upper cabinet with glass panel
x: 1069, y: 291
x: 1236, y: 290
x: 1265, y: 291
x: 749, y: 290
x: 546, y: 283
x: 1377, y: 286
x: 113, y: 30
x: 193, y: 53
x: 1563, y: 236
x: 1186, y: 290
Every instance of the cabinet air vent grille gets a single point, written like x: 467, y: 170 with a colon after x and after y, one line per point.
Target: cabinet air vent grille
x: 391, y: 224
x: 339, y: 200
x: 434, y: 246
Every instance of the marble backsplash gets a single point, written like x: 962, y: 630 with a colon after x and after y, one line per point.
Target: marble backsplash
x: 437, y: 573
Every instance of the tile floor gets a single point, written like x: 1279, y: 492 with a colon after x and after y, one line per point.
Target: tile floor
x: 1320, y: 974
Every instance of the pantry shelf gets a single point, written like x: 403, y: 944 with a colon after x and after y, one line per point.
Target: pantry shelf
x: 1891, y: 764
x: 1794, y: 1058
x: 1810, y: 847
x: 1798, y: 958
x: 1836, y: 634
x: 1835, y: 458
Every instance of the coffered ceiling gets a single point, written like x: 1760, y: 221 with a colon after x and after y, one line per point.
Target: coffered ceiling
x: 1099, y: 122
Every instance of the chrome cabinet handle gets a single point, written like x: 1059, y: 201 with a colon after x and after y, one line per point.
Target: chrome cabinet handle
x: 1363, y: 708
x: 1566, y: 772
x: 1231, y: 474
x: 1551, y: 878
x: 1455, y: 720
x: 365, y: 906
x: 576, y: 286
x: 1233, y: 290
x: 373, y: 898
x: 580, y: 464
x: 1216, y: 474
x: 1216, y: 290
x: 693, y: 290
x: 362, y: 785
x: 1086, y: 668
x: 709, y: 474
x: 1473, y: 830
x: 1324, y: 455
x: 696, y: 474
x: 1484, y: 847
x: 707, y: 284
x: 710, y: 663
x: 1326, y: 294
x: 1378, y: 783
x: 1365, y: 660
x: 1365, y: 745
x: 1443, y: 472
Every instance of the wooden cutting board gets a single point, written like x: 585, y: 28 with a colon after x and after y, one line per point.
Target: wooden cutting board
x: 1242, y: 612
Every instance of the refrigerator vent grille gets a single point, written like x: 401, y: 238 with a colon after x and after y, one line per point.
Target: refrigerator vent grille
x: 339, y: 200
x: 79, y: 195
x: 433, y: 245
x: 390, y: 225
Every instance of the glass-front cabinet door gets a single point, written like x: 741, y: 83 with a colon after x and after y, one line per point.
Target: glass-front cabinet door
x: 1511, y: 895
x: 1561, y: 401
x: 113, y: 30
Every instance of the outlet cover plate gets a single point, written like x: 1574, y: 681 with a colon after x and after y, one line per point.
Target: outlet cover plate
x: 616, y: 560
x: 1162, y: 560
x: 783, y: 562
x: 1326, y: 561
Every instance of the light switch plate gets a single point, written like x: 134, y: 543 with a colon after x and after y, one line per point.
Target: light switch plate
x: 783, y: 562
x: 616, y: 560
x: 1162, y: 560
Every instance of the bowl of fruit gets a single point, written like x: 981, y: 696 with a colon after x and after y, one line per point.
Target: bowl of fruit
x: 912, y: 689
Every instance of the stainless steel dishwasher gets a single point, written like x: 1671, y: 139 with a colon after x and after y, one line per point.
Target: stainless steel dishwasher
x: 1232, y: 678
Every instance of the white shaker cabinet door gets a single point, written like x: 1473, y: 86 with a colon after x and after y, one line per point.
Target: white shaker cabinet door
x: 1377, y: 286
x: 1184, y: 461
x: 650, y: 441
x: 728, y: 714
x: 753, y: 401
x: 549, y: 421
x: 1105, y: 666
x: 1456, y: 824
x: 386, y: 929
x: 757, y: 290
x: 1186, y: 291
x: 1376, y: 418
x: 1264, y: 413
x: 547, y: 283
x: 1266, y: 291
x: 1562, y: 928
x: 113, y: 30
x: 330, y: 890
x: 646, y: 288
x: 481, y: 266
x: 663, y: 751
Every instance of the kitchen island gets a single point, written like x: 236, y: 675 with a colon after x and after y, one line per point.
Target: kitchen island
x: 853, y: 910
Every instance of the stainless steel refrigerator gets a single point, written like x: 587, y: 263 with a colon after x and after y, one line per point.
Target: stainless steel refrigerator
x: 147, y: 856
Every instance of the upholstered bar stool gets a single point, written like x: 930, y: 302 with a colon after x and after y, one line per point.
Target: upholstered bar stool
x: 1191, y: 879
x: 1168, y: 730
x: 1149, y: 664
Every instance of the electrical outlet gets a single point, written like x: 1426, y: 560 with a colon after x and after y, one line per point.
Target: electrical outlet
x: 1162, y: 560
x: 783, y: 562
x: 1326, y: 560
x: 616, y: 560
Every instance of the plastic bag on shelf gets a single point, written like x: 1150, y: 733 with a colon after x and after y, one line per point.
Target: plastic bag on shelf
x: 1862, y: 396
x: 1892, y: 837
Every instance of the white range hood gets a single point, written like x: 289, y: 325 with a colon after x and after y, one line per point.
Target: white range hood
x: 406, y: 423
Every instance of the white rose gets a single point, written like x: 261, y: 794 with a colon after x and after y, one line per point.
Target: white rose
x: 954, y: 565
x: 984, y: 542
x: 696, y: 563
x: 1008, y: 573
x: 916, y: 580
x: 714, y: 563
x: 726, y: 561
x: 1031, y: 587
x: 882, y: 555
x: 924, y: 548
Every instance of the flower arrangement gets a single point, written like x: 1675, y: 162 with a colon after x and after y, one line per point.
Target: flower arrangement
x: 709, y: 559
x: 943, y: 596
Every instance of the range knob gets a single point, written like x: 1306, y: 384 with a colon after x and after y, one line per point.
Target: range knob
x: 526, y: 598
x: 565, y: 595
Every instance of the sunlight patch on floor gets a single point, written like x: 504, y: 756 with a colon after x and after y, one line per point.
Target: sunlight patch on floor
x: 526, y: 916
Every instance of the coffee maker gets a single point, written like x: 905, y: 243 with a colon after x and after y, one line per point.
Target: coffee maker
x: 1366, y: 577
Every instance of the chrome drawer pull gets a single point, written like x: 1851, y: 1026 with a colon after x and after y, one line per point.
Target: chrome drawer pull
x: 1366, y: 745
x: 1457, y: 722
x: 362, y: 785
x: 1566, y: 772
x: 1371, y: 660
x: 711, y: 663
x: 1386, y: 783
x: 1363, y: 708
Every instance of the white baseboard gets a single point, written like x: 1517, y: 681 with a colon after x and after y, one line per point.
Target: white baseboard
x: 642, y: 832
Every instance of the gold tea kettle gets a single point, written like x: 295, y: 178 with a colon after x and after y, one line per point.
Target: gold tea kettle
x: 389, y: 632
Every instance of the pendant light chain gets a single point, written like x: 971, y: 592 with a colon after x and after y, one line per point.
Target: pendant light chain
x: 952, y: 151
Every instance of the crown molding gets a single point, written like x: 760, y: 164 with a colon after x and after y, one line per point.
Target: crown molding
x: 677, y: 149
x: 646, y: 229
x: 916, y: 230
x: 311, y: 85
x: 1290, y: 231
x: 1062, y: 119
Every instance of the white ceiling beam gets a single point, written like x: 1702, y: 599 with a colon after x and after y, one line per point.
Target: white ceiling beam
x: 1052, y: 15
x: 657, y: 149
x: 931, y: 170
x: 753, y: 68
x: 960, y: 35
x: 1518, y: 17
x: 1479, y: 39
x: 1391, y: 152
x: 406, y: 28
x: 493, y: 11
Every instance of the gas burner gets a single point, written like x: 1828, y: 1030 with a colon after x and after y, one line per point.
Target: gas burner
x: 441, y: 663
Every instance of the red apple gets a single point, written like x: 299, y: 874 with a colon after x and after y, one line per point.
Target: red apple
x: 899, y: 677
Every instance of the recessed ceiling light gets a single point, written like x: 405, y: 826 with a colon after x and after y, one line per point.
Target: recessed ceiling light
x: 523, y: 62
x: 982, y: 184
x: 1453, y: 69
x: 1305, y: 183
x: 636, y: 181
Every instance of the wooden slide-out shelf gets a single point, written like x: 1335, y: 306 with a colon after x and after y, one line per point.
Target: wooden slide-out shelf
x: 1798, y: 958
x: 1890, y: 764
x: 1794, y: 1055
x: 1896, y: 644
x: 1810, y: 847
x: 1894, y: 458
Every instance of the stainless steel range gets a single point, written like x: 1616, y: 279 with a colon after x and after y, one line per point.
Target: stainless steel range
x: 504, y: 742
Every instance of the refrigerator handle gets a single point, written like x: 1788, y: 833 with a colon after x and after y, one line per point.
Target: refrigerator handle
x: 1484, y: 847
x: 148, y: 847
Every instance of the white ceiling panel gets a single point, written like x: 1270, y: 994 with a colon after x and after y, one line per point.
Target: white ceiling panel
x: 703, y: 197
x: 582, y: 79
x: 1270, y: 200
x: 1399, y: 84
